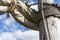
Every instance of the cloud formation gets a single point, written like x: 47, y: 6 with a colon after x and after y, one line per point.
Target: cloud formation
x: 11, y: 30
x: 49, y: 1
x: 18, y: 35
x: 33, y: 6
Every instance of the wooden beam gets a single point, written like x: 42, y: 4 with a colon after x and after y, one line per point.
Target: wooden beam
x: 22, y: 20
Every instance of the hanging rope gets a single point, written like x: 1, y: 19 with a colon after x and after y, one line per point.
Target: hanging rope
x: 45, y: 24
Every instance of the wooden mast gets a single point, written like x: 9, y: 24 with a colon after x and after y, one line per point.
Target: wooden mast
x: 43, y: 32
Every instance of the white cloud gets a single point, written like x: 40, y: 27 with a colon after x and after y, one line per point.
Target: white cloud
x: 49, y: 1
x: 8, y: 24
x: 2, y: 16
x: 33, y: 6
x: 9, y: 21
x: 7, y: 36
x: 27, y: 35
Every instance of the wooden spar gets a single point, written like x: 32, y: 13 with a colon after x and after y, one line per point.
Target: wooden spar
x: 24, y: 10
x: 22, y: 20
x: 43, y: 29
x: 31, y: 14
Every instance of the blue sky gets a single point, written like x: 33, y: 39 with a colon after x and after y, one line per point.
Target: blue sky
x: 57, y: 1
x: 9, y: 23
x: 12, y: 30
